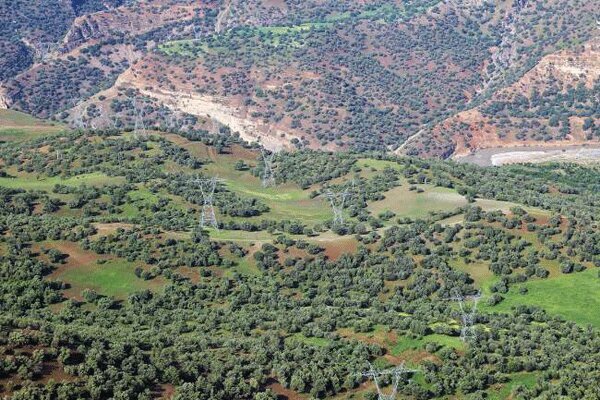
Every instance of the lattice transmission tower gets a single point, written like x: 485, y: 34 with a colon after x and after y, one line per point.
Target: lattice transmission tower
x: 337, y: 200
x: 139, y: 126
x: 397, y: 373
x: 268, y: 175
x: 468, y: 314
x: 207, y: 189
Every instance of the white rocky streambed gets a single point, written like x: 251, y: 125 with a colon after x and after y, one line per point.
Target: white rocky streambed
x: 514, y: 155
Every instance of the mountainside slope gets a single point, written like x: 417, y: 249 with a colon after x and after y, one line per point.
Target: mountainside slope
x: 350, y: 74
x: 556, y: 103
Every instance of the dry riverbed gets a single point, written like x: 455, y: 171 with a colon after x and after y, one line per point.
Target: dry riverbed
x: 515, y: 155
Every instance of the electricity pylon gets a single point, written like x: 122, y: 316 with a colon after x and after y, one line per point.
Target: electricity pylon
x: 197, y: 32
x: 207, y: 188
x: 216, y: 126
x: 92, y: 124
x: 397, y: 374
x: 114, y: 121
x: 78, y: 120
x: 139, y: 127
x: 337, y: 200
x: 467, y: 314
x: 43, y: 50
x: 268, y: 176
x: 167, y: 117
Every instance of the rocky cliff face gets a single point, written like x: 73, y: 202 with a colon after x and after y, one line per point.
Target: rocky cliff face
x: 4, y: 99
x: 83, y: 29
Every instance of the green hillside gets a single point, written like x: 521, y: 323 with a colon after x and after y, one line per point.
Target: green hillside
x: 17, y: 126
x: 111, y: 288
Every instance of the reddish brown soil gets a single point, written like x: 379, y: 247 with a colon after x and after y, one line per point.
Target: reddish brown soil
x: 164, y: 391
x: 77, y: 256
x: 192, y: 273
x: 105, y: 229
x: 275, y: 3
x: 418, y: 356
x: 381, y: 339
x: 51, y: 370
x: 566, y: 68
x: 284, y: 393
x: 334, y: 249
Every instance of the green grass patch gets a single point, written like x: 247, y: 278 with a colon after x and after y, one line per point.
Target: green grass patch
x: 16, y: 126
x: 575, y: 297
x: 377, y: 164
x: 139, y: 199
x: 245, y: 266
x: 285, y: 201
x: 284, y: 30
x: 479, y: 271
x: 31, y: 182
x: 186, y: 48
x: 505, y: 391
x: 276, y: 36
x: 114, y: 278
x: 407, y: 203
x: 405, y: 343
x: 240, y: 236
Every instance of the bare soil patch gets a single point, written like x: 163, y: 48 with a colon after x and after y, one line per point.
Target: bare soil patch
x: 336, y: 248
x: 105, y: 229
x: 284, y: 393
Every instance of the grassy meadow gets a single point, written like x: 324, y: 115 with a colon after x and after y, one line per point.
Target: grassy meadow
x: 16, y: 126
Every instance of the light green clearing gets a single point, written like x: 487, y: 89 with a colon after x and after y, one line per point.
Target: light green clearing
x: 247, y: 267
x: 493, y: 205
x: 140, y: 197
x: 114, y: 278
x: 283, y: 30
x: 505, y: 206
x: 456, y: 219
x: 377, y: 164
x: 575, y: 297
x: 240, y: 236
x: 271, y: 35
x: 405, y: 343
x: 527, y: 379
x: 406, y: 203
x: 478, y: 270
x: 185, y: 48
x: 30, y: 182
x: 285, y: 201
x: 18, y: 126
